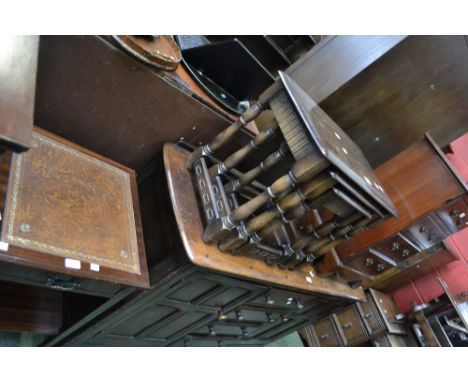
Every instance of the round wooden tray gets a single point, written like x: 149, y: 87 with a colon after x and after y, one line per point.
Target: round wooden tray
x: 159, y: 51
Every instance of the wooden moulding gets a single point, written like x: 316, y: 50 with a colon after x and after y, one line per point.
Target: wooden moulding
x: 189, y: 222
x: 71, y: 211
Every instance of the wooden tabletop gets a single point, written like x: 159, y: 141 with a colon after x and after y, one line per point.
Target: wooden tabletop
x: 208, y: 256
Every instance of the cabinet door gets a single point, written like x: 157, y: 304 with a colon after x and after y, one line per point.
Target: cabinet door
x: 18, y: 68
x: 350, y: 326
x: 68, y: 211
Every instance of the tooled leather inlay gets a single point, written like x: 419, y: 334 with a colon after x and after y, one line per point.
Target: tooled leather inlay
x: 66, y: 203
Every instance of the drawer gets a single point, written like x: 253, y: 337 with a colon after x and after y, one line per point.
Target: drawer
x: 326, y: 333
x: 398, y: 247
x: 61, y: 282
x: 427, y: 232
x: 371, y: 263
x: 350, y: 326
x: 284, y: 300
x: 370, y: 316
x: 391, y: 340
x: 454, y: 215
x: 387, y: 311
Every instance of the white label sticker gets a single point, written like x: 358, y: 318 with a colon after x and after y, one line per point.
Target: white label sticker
x: 72, y: 263
x: 3, y: 246
x: 94, y: 267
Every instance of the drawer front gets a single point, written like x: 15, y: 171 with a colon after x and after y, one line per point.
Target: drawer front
x: 427, y: 232
x: 350, y: 325
x: 387, y: 310
x: 398, y: 247
x: 56, y: 281
x: 369, y: 263
x: 290, y: 301
x: 454, y: 215
x: 370, y: 316
x: 326, y: 334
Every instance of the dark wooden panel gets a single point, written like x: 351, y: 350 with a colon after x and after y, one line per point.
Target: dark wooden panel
x: 336, y: 60
x: 93, y: 94
x: 30, y: 309
x: 198, y: 308
x: 419, y: 86
x: 18, y: 67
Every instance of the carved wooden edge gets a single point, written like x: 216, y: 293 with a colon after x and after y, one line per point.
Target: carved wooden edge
x: 189, y: 222
x: 52, y: 263
x: 447, y: 163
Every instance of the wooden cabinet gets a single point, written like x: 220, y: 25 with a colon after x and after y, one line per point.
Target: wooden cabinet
x: 431, y: 202
x: 360, y: 323
x: 193, y: 307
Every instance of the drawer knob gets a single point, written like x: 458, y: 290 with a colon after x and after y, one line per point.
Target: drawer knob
x: 347, y: 325
x: 239, y: 315
x: 406, y: 252
x: 211, y: 330
x: 395, y: 246
x: 426, y: 231
x: 368, y: 315
x: 245, y: 333
x: 299, y: 304
x: 221, y: 315
x: 324, y: 336
x: 270, y: 318
x: 369, y: 261
x: 269, y: 300
x: 380, y: 267
x: 284, y: 319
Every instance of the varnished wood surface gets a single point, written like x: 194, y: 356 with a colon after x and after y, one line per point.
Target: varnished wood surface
x: 96, y: 95
x: 18, y: 67
x: 66, y: 217
x: 416, y: 266
x: 419, y: 86
x: 25, y: 308
x: 418, y: 182
x: 208, y: 256
x: 336, y: 60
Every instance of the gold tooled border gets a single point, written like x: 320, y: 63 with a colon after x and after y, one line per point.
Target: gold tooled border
x: 12, y: 206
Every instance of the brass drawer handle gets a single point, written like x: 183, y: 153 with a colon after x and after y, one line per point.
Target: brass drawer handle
x: 347, y: 325
x: 324, y: 336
